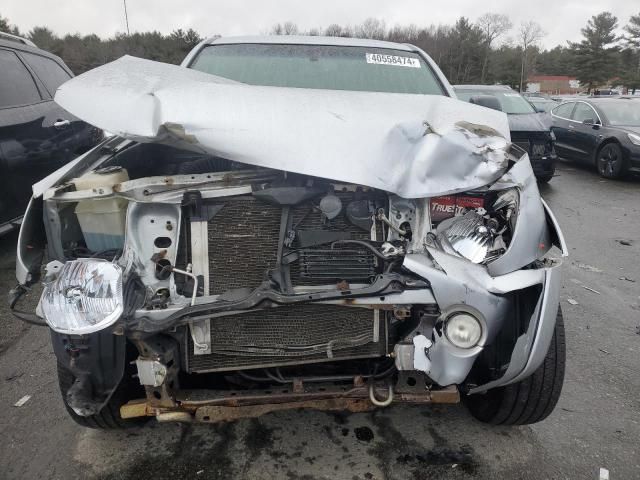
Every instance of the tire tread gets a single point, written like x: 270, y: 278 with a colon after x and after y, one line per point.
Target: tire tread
x: 532, y: 399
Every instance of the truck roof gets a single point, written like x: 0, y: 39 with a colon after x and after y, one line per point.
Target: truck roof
x: 310, y: 40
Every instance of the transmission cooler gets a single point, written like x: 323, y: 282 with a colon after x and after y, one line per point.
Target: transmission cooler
x: 291, y: 335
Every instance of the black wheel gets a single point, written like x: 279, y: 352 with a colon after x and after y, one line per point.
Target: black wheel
x: 610, y: 161
x: 530, y: 400
x: 109, y: 417
x: 545, y: 178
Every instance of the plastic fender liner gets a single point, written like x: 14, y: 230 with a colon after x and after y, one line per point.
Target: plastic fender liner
x: 96, y: 361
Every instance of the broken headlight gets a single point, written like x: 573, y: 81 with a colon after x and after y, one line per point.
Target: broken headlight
x: 481, y: 234
x: 85, y: 297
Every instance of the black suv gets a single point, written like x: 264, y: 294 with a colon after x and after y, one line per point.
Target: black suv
x: 530, y: 129
x: 37, y: 136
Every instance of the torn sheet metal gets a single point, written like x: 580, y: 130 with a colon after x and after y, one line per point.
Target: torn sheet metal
x: 411, y: 145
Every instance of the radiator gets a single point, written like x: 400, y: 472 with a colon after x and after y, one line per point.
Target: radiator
x: 243, y: 243
x: 243, y: 239
x: 291, y: 335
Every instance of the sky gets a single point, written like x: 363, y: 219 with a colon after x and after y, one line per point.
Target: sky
x: 561, y: 20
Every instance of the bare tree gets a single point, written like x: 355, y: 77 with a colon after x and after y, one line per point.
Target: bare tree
x: 529, y: 34
x: 403, y: 33
x: 286, y: 28
x: 371, y: 28
x: 276, y: 29
x: 493, y: 25
x: 290, y: 28
x: 333, y: 30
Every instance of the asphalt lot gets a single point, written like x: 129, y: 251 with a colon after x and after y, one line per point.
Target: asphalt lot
x: 596, y: 423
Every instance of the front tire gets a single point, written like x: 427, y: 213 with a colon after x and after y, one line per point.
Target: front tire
x: 547, y: 175
x: 530, y: 400
x: 545, y: 178
x: 610, y: 161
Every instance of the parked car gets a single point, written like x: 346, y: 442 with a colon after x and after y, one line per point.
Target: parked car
x: 542, y: 104
x: 293, y: 222
x: 37, y: 136
x: 529, y: 129
x: 604, y: 132
x: 605, y: 92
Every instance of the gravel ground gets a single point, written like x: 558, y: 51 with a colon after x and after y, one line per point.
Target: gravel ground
x: 596, y: 423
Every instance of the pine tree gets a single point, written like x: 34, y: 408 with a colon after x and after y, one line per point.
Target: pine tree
x: 631, y: 55
x: 596, y: 57
x: 633, y: 31
x: 5, y: 26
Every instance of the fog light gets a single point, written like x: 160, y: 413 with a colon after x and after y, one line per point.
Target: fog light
x: 463, y: 330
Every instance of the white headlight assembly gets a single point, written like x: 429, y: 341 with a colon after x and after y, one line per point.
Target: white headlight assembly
x: 635, y: 139
x: 85, y: 297
x: 482, y: 236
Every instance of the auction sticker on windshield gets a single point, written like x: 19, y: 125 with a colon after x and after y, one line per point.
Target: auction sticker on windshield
x: 392, y: 60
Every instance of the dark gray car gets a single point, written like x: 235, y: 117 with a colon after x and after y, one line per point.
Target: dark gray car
x: 604, y: 132
x: 37, y: 136
x: 529, y: 128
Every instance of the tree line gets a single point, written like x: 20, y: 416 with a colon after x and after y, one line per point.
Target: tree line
x: 487, y: 50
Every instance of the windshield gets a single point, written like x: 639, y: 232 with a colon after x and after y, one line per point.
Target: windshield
x: 621, y: 112
x: 510, y: 102
x: 321, y: 66
x: 544, y: 105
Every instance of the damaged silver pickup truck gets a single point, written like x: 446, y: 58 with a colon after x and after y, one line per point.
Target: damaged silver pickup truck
x: 293, y: 223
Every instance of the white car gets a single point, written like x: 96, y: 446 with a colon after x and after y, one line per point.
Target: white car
x: 294, y: 222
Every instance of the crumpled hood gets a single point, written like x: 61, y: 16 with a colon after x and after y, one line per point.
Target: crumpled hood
x: 410, y: 145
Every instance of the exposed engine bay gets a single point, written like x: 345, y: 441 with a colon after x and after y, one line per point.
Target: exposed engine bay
x: 243, y: 278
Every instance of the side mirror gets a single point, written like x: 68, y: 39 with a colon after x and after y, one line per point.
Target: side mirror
x: 488, y: 101
x: 590, y: 121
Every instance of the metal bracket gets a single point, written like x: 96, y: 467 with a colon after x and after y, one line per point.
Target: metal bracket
x: 151, y: 372
x: 376, y: 326
x: 201, y: 335
x: 200, y: 329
